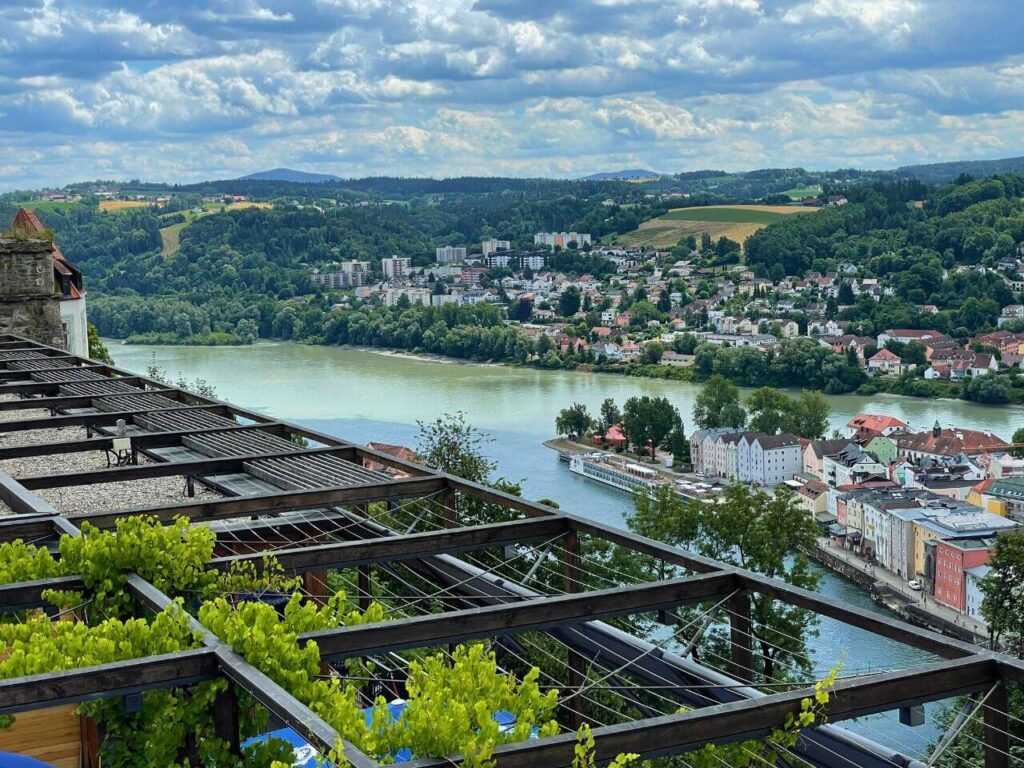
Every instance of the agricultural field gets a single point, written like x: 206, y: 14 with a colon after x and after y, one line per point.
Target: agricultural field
x: 112, y: 206
x: 47, y: 205
x: 737, y: 222
x: 248, y: 204
x: 170, y: 238
x: 799, y: 193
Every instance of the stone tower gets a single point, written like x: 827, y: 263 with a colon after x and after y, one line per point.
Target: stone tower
x: 29, y: 295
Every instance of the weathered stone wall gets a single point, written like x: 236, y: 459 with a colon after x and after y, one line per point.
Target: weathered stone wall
x: 29, y: 300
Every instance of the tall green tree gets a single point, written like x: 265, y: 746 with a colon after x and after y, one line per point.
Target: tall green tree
x: 610, y: 416
x: 647, y: 421
x: 718, y: 405
x: 808, y: 415
x: 574, y: 421
x: 569, y: 302
x: 769, y: 410
x: 1003, y: 590
x: 97, y: 349
x: 451, y: 444
x: 762, y: 532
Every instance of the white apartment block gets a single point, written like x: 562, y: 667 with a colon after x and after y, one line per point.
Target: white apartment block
x: 493, y: 246
x: 415, y: 296
x: 534, y: 261
x: 395, y: 267
x: 449, y: 254
x: 357, y: 272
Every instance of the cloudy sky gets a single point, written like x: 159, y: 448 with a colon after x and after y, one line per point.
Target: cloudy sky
x: 183, y: 90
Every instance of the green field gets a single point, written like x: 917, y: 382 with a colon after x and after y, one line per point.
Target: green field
x: 46, y: 205
x: 799, y: 193
x: 724, y: 215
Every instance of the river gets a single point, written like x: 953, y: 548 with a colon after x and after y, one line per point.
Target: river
x: 364, y: 395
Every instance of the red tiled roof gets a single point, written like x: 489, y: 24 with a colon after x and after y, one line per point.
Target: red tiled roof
x: 398, y: 451
x: 949, y: 442
x: 884, y: 354
x: 874, y: 421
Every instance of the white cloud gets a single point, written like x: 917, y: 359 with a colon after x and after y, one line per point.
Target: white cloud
x: 193, y: 88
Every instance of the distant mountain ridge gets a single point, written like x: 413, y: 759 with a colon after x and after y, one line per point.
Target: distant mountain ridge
x: 629, y: 173
x: 289, y: 174
x: 938, y: 173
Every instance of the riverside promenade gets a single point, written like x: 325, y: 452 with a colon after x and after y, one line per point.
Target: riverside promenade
x: 893, y: 591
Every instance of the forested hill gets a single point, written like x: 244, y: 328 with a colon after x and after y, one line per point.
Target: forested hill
x: 943, y: 173
x: 946, y: 246
x: 956, y: 252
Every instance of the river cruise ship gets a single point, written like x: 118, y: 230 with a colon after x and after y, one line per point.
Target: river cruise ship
x: 616, y: 472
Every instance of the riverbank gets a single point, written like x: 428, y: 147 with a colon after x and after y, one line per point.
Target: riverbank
x: 635, y: 369
x: 891, y: 591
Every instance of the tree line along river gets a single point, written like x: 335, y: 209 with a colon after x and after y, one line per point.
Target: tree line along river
x: 370, y: 395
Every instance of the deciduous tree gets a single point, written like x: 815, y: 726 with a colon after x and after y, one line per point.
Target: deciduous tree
x: 647, y: 421
x: 574, y: 421
x: 718, y: 405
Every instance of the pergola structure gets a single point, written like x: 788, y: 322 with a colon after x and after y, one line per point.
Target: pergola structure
x: 323, y: 504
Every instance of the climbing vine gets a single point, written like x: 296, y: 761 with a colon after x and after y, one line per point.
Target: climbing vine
x: 451, y: 702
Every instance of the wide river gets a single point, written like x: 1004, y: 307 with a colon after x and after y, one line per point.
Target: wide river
x: 364, y: 396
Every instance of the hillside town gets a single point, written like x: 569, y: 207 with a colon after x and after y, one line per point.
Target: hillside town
x: 924, y: 505
x: 650, y: 306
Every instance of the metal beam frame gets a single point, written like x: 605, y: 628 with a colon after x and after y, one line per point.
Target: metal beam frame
x: 536, y: 614
x: 415, y: 546
x: 141, y: 441
x: 750, y: 718
x: 239, y: 506
x: 101, y: 418
x: 79, y: 401
x: 966, y: 669
x: 195, y: 467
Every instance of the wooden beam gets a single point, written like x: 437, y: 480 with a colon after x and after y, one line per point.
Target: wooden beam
x: 203, y: 466
x: 141, y: 441
x: 894, y: 629
x: 740, y: 637
x: 748, y: 719
x: 412, y: 547
x: 102, y: 681
x: 96, y: 419
x: 17, y: 374
x: 77, y: 401
x: 27, y: 527
x: 269, y: 693
x: 21, y: 500
x: 535, y: 614
x: 220, y: 509
x: 44, y: 387
x: 996, y: 728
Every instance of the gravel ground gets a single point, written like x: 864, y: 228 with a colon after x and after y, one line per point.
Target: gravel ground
x: 123, y: 495
x: 34, y: 436
x: 64, y: 463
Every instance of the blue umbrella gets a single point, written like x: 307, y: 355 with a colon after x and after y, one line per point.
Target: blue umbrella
x: 306, y: 757
x: 11, y: 760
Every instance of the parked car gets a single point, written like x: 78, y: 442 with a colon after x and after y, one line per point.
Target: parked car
x: 914, y: 584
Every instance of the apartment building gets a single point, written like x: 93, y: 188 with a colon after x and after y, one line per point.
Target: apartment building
x: 561, y: 239
x: 487, y: 247
x: 449, y: 254
x: 395, y: 267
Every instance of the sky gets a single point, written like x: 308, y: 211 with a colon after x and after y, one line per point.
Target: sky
x: 185, y: 90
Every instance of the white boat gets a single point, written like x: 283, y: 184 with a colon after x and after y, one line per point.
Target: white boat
x: 617, y: 473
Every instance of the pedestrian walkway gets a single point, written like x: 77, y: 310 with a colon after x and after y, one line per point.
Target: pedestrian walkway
x: 923, y: 601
